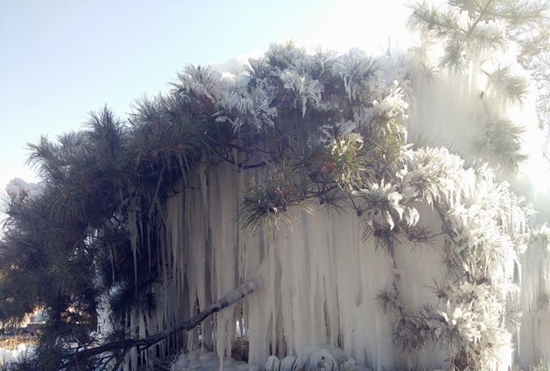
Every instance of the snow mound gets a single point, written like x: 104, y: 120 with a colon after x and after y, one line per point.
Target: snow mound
x: 315, y: 358
x: 7, y: 355
x: 311, y: 358
x: 198, y: 360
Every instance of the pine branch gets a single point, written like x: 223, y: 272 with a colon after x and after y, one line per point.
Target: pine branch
x: 480, y: 16
x: 142, y: 344
x: 431, y: 20
x: 513, y: 87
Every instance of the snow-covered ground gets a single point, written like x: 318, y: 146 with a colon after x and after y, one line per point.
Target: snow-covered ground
x: 200, y: 360
x: 7, y: 355
x: 312, y: 358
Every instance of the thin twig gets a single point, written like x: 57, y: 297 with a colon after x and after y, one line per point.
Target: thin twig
x: 479, y: 17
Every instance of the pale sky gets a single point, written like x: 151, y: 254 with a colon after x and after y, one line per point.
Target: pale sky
x: 60, y: 59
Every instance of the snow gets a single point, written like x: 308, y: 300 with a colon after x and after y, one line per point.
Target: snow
x: 7, y: 355
x: 208, y: 361
x: 312, y: 358
x: 18, y: 189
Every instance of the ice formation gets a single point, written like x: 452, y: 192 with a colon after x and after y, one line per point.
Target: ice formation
x: 319, y: 277
x: 201, y: 360
x: 451, y: 109
x: 312, y: 358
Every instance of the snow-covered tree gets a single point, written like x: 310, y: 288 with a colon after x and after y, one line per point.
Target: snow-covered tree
x: 206, y: 189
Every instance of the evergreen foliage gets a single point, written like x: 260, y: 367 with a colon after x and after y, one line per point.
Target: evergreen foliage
x: 322, y: 128
x: 472, y: 33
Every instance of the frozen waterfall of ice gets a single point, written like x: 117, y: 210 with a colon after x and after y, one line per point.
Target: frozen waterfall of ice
x: 320, y: 278
x: 451, y: 109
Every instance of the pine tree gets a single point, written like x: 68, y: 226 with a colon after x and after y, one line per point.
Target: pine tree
x: 323, y: 130
x: 470, y: 32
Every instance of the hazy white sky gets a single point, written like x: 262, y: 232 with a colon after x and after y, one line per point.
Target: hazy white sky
x: 60, y: 59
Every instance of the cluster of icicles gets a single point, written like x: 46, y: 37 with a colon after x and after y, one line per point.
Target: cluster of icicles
x: 319, y: 279
x: 451, y: 110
